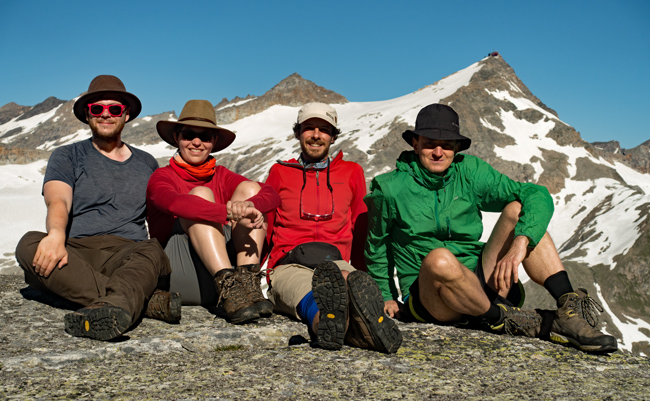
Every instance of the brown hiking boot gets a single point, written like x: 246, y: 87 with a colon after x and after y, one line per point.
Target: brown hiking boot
x: 99, y: 321
x: 517, y: 321
x: 575, y: 322
x: 165, y: 306
x: 233, y: 296
x: 330, y: 294
x: 369, y: 327
x: 253, y: 277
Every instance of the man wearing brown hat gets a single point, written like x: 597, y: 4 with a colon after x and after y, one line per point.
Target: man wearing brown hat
x: 96, y: 252
x: 425, y: 223
x: 200, y: 211
x: 316, y: 236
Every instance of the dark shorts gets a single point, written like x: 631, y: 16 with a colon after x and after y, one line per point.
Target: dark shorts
x: 420, y: 313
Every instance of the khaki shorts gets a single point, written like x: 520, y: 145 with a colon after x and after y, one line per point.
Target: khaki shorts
x: 290, y: 283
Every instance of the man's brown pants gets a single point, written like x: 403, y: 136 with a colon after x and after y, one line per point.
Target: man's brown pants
x: 104, y: 268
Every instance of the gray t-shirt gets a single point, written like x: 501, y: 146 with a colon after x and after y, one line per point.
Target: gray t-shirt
x: 108, y: 197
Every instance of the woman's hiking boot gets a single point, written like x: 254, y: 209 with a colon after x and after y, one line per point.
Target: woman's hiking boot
x: 253, y: 277
x: 234, y: 296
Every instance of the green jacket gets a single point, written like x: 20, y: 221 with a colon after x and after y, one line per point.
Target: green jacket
x: 411, y: 212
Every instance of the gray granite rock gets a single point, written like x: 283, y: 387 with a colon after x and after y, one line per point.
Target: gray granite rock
x: 204, y: 357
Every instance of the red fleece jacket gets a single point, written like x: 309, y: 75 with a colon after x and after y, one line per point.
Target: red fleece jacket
x: 168, y: 198
x: 346, y: 230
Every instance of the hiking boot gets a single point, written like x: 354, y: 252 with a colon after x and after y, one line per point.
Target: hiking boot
x: 253, y: 277
x: 575, y: 322
x: 234, y: 297
x: 331, y: 296
x: 517, y: 321
x: 99, y: 321
x: 369, y: 328
x: 165, y: 306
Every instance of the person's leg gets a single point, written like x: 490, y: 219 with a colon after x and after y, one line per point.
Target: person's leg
x: 540, y: 263
x: 209, y: 243
x: 207, y: 238
x: 448, y: 289
x: 574, y: 322
x: 248, y: 242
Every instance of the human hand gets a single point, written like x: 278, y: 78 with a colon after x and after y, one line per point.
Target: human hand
x: 50, y: 253
x: 245, y: 213
x: 506, y: 271
x: 391, y: 308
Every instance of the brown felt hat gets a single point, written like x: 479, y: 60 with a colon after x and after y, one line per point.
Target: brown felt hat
x: 107, y: 87
x: 438, y: 121
x: 196, y: 113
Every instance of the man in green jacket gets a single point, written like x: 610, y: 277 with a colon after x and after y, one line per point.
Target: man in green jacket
x: 425, y: 223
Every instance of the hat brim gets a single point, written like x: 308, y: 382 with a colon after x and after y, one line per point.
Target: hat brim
x: 166, y: 131
x: 441, y: 135
x: 132, y: 101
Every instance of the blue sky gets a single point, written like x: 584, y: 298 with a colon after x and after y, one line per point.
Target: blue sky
x: 587, y: 60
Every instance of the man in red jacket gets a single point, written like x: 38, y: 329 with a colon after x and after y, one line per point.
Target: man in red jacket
x: 318, y: 229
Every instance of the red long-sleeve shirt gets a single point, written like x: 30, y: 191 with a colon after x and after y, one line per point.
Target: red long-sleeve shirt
x: 346, y: 230
x: 168, y: 198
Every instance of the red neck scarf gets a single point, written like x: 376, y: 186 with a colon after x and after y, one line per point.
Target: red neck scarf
x: 201, y: 172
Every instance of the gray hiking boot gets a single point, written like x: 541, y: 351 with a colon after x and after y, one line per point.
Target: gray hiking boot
x: 253, y: 277
x: 331, y: 296
x: 576, y: 321
x: 369, y: 328
x: 517, y: 321
x: 165, y: 306
x: 233, y: 296
x: 99, y: 321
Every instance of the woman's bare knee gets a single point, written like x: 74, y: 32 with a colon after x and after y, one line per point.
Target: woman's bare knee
x: 203, y: 192
x: 512, y: 210
x: 245, y: 190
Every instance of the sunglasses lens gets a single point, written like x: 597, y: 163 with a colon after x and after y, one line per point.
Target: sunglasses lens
x: 203, y: 136
x: 96, y: 109
x: 115, y: 110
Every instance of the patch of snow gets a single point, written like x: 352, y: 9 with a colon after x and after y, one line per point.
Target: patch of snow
x: 27, y: 125
x: 237, y: 103
x: 147, y: 118
x: 630, y: 330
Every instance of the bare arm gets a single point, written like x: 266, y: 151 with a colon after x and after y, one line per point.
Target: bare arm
x: 507, y: 269
x: 51, y: 250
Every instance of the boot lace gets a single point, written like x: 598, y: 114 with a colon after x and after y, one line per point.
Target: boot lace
x: 588, y: 308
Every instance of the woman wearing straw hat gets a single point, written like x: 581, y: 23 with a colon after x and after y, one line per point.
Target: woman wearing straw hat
x: 204, y: 215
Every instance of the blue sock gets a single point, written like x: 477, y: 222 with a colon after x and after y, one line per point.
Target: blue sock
x: 307, y: 308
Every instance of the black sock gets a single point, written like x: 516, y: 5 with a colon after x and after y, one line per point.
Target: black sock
x: 558, y: 284
x: 492, y: 315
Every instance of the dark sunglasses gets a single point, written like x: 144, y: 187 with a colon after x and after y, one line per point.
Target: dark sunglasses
x: 204, y: 136
x: 115, y: 110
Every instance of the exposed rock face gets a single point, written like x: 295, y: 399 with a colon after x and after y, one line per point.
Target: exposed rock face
x: 43, y: 107
x: 291, y: 91
x: 204, y: 357
x: 11, y: 110
x: 10, y: 155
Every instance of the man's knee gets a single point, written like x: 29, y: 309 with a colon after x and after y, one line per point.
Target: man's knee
x: 26, y: 248
x: 441, y: 265
x: 246, y: 189
x: 152, y: 250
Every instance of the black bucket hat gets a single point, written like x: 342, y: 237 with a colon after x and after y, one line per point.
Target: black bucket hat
x: 438, y: 121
